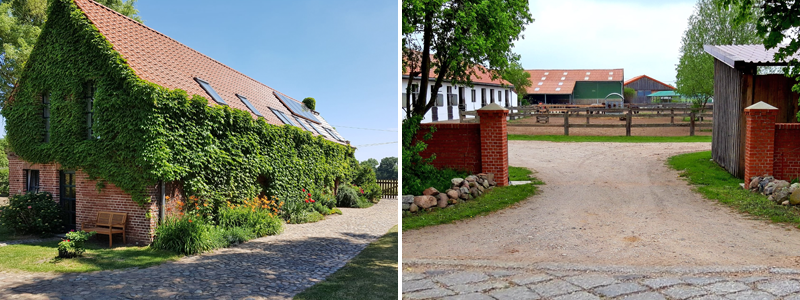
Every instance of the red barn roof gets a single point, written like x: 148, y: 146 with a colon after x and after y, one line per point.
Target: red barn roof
x: 559, y: 81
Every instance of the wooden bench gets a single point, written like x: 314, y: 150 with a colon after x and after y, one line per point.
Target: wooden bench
x: 107, y: 223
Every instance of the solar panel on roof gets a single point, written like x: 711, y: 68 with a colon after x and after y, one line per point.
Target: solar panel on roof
x: 211, y: 92
x: 250, y: 106
x: 297, y: 108
x: 302, y: 124
x: 333, y: 134
x: 316, y: 129
x: 282, y: 116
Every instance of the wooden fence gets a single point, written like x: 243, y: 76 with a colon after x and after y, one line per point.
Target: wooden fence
x: 389, y: 188
x: 588, y: 113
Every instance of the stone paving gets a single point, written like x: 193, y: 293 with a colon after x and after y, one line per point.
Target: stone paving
x: 274, y: 267
x: 463, y: 280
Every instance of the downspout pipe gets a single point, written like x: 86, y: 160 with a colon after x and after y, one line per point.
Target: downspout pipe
x: 162, y: 202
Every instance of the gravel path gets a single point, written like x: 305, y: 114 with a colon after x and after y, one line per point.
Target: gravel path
x: 274, y: 267
x: 609, y: 204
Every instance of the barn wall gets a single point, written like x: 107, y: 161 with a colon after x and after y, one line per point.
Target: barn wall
x: 776, y: 90
x: 596, y: 89
x: 648, y: 85
x: 725, y: 148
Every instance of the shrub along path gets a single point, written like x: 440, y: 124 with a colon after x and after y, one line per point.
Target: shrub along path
x: 272, y: 267
x: 605, y: 205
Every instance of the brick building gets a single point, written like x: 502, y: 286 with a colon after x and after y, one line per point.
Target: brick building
x: 157, y: 59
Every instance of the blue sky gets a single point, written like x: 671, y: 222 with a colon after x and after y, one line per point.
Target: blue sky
x: 642, y: 37
x: 343, y: 53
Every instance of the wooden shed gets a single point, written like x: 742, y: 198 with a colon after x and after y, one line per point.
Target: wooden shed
x: 737, y: 85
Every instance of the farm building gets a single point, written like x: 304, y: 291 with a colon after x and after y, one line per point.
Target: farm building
x: 112, y: 116
x: 451, y: 98
x: 574, y: 86
x: 662, y: 97
x: 737, y: 85
x: 645, y: 85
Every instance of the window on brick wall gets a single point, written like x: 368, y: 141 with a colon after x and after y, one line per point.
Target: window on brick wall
x: 46, y: 116
x: 31, y: 180
x: 88, y: 95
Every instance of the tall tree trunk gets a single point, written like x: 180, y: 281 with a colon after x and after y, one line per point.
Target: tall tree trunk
x: 427, y: 36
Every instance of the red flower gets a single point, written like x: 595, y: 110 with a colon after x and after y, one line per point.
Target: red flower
x: 67, y: 241
x: 309, y: 194
x: 304, y: 190
x: 190, y: 220
x: 312, y: 201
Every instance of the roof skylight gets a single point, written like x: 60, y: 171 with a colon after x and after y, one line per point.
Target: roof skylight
x: 316, y: 129
x: 610, y: 78
x: 536, y: 89
x: 296, y: 118
x: 282, y: 116
x: 562, y: 78
x: 210, y: 91
x: 543, y: 78
x: 540, y: 83
x: 587, y: 73
x: 546, y: 73
x: 333, y: 134
x: 250, y: 106
x: 565, y: 73
x: 560, y: 83
x: 558, y: 89
x: 610, y: 73
x: 297, y: 108
x: 586, y: 78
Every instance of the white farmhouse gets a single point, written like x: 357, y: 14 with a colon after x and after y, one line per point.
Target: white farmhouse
x: 452, y: 98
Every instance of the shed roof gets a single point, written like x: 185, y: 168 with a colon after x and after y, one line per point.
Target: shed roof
x: 648, y: 77
x: 561, y: 81
x: 738, y: 55
x: 162, y: 60
x: 664, y: 94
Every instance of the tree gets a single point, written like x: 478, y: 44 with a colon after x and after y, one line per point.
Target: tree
x: 311, y: 103
x: 387, y: 169
x: 21, y: 22
x: 710, y: 24
x: 628, y: 94
x: 519, y: 78
x: 451, y: 39
x: 369, y: 163
x: 777, y: 23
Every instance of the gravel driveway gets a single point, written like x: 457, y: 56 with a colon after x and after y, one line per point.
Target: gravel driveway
x: 273, y: 267
x: 609, y: 204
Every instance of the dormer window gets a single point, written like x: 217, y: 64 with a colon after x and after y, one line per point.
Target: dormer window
x: 210, y: 91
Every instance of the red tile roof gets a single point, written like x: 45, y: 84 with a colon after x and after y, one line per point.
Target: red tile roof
x: 564, y: 80
x: 648, y: 77
x: 479, y: 77
x: 162, y: 60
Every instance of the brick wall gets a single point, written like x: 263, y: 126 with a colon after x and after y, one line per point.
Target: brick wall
x: 457, y: 146
x: 771, y: 148
x: 476, y: 148
x: 787, y: 151
x: 89, y: 200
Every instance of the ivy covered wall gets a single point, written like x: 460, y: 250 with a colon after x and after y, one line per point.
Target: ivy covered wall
x: 144, y: 133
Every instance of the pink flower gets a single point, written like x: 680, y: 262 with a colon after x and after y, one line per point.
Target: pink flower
x: 29, y: 207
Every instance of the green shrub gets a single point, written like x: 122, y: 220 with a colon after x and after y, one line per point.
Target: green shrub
x: 346, y: 196
x: 3, y: 181
x: 32, y: 213
x: 324, y: 197
x: 363, y: 203
x: 307, y: 217
x: 188, y: 236
x: 259, y: 221
x: 310, y: 103
x: 322, y: 209
x: 73, y: 245
x: 238, y: 235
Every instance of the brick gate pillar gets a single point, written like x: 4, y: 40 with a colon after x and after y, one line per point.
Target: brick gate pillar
x: 494, y: 142
x: 759, y: 148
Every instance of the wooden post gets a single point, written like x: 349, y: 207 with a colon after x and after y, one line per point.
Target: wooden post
x: 566, y: 122
x: 691, y: 124
x: 672, y: 116
x: 628, y: 122
x: 587, y: 116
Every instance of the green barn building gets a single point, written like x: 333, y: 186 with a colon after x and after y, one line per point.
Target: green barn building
x: 575, y: 86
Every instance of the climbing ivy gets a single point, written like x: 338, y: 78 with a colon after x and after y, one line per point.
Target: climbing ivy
x: 145, y: 133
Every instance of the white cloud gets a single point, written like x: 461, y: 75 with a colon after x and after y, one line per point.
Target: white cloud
x: 589, y: 34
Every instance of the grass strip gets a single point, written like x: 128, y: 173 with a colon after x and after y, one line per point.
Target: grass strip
x: 41, y: 257
x: 713, y: 182
x: 372, y: 274
x: 611, y: 139
x: 519, y: 174
x: 493, y: 200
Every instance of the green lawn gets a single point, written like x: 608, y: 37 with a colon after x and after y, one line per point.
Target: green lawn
x: 521, y: 174
x: 493, y: 200
x: 612, y: 139
x: 41, y: 257
x: 717, y: 184
x: 372, y: 274
x: 8, y: 235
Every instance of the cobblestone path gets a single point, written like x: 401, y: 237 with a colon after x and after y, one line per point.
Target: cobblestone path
x: 274, y: 267
x: 485, y: 280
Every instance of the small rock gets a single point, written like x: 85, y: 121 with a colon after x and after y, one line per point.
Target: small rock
x: 425, y: 201
x: 442, y: 201
x: 480, y: 188
x: 492, y: 183
x: 464, y: 196
x: 472, y: 185
x: 794, y: 199
x: 769, y: 188
x: 457, y: 181
x: 474, y: 192
x: 463, y: 190
x: 780, y: 194
x: 408, y: 199
x: 407, y: 206
x: 431, y: 191
x: 486, y: 184
x: 754, y: 182
x: 794, y: 187
x: 785, y: 203
x: 413, y: 208
x: 452, y: 194
x: 471, y: 178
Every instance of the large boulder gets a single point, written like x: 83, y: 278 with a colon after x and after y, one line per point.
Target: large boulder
x: 794, y: 198
x: 780, y: 194
x: 408, y: 199
x: 457, y: 181
x: 431, y: 191
x: 425, y: 201
x: 442, y: 201
x: 453, y: 194
x: 795, y: 186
